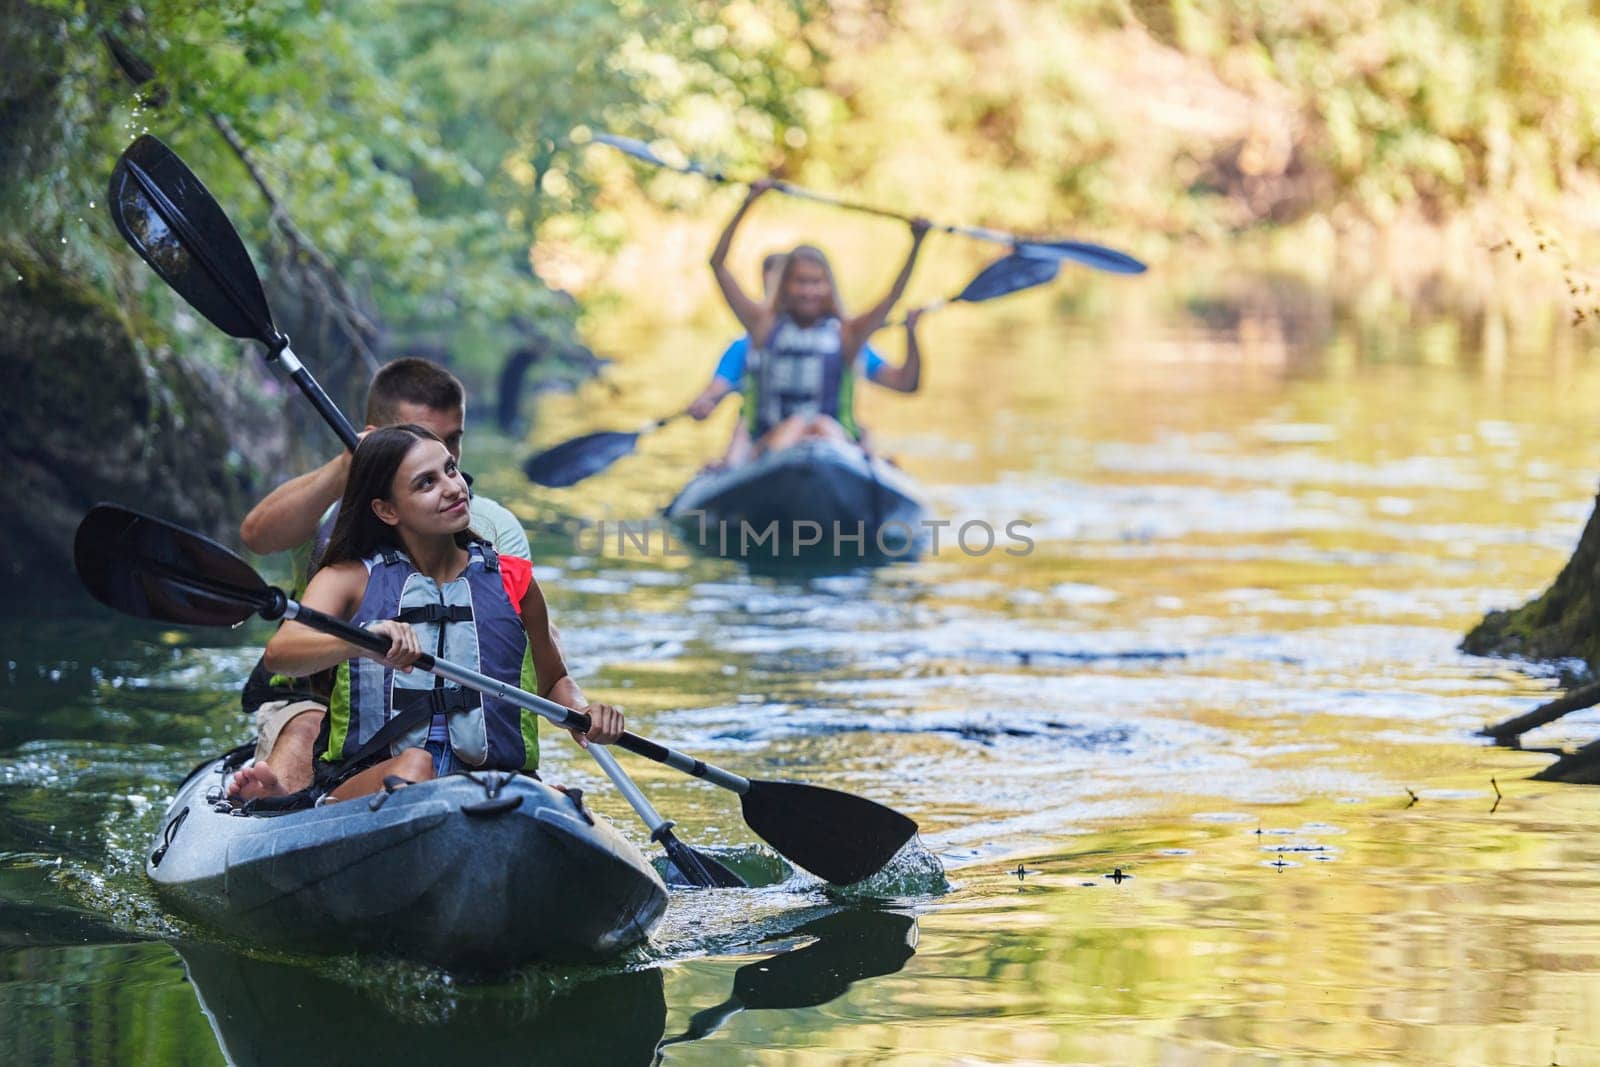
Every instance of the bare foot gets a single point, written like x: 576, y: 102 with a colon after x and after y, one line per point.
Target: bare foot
x: 257, y: 780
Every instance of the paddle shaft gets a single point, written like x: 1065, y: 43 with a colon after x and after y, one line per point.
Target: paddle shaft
x: 640, y: 150
x: 560, y: 715
x: 282, y: 356
x: 1091, y: 255
x: 977, y: 232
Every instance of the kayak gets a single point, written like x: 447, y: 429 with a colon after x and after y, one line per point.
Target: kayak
x: 470, y: 872
x: 816, y: 500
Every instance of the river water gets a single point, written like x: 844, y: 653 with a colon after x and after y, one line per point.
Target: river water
x: 1199, y: 766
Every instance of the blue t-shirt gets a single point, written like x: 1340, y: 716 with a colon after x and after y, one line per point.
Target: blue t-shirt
x: 730, y: 368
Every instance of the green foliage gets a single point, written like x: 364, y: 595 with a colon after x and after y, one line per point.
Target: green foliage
x: 1197, y: 118
x: 1431, y: 104
x: 417, y: 144
x: 426, y: 147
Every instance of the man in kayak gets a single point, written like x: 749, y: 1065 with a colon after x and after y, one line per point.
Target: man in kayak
x: 800, y: 376
x: 403, y: 561
x: 289, y: 711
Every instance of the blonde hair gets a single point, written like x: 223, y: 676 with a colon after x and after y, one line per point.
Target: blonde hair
x: 806, y: 254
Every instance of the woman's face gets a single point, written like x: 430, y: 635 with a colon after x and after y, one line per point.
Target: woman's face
x: 808, y: 294
x: 428, y: 494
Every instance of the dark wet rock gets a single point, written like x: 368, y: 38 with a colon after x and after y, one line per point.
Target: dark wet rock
x: 90, y: 414
x: 1559, y: 623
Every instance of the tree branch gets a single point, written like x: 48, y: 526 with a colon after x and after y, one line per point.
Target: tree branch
x: 1508, y: 731
x: 334, y: 296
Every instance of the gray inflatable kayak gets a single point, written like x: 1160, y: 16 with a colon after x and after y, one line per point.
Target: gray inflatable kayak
x: 816, y: 501
x: 472, y: 873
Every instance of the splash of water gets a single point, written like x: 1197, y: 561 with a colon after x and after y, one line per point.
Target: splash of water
x: 912, y: 872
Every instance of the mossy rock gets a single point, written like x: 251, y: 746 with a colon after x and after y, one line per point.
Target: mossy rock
x: 91, y: 415
x: 1562, y: 623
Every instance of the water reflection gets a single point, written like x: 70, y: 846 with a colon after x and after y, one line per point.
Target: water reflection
x: 265, y: 1012
x: 849, y: 946
x: 269, y: 1012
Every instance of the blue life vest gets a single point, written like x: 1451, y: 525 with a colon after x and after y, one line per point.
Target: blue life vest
x: 799, y: 371
x: 469, y: 621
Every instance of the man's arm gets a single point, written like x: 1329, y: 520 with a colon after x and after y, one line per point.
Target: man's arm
x: 288, y: 516
x: 704, y: 404
x: 730, y: 372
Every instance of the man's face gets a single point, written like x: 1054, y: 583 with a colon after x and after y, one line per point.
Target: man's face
x: 449, y: 424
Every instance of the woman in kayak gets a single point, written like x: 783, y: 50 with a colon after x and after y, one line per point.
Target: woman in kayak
x: 404, y: 562
x: 732, y: 366
x: 800, y: 379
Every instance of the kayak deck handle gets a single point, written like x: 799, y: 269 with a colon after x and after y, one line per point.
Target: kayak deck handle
x: 485, y: 809
x: 166, y: 838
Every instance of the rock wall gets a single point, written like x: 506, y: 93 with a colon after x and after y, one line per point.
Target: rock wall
x: 87, y: 414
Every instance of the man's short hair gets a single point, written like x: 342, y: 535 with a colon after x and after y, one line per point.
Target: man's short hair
x: 411, y: 381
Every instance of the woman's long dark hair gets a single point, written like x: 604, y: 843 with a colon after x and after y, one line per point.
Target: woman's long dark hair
x: 358, y: 532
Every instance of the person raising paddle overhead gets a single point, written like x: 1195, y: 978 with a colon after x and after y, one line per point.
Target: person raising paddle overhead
x: 735, y: 360
x: 404, y: 562
x: 800, y: 378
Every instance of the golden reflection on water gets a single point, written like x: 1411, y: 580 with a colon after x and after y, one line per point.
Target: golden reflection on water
x: 1262, y: 523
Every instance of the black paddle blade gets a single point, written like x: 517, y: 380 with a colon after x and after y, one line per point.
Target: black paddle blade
x: 572, y: 461
x: 836, y: 836
x: 1010, y: 274
x: 150, y: 569
x: 1097, y: 256
x: 169, y: 218
x: 695, y: 868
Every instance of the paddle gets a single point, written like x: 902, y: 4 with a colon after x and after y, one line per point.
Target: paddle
x: 151, y: 569
x: 1006, y: 275
x: 177, y: 227
x: 1090, y: 255
x: 572, y: 461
